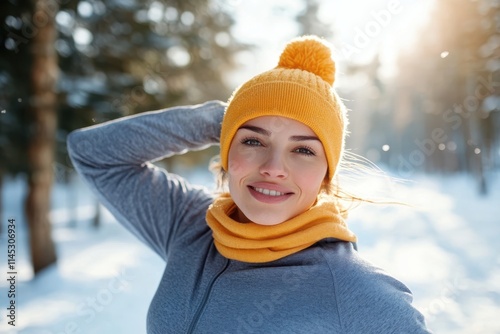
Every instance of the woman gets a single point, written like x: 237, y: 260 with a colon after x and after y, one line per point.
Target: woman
x: 274, y: 254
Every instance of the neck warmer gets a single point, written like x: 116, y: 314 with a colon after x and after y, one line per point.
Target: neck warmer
x: 251, y: 242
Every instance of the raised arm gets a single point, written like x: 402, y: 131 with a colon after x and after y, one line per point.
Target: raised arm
x: 115, y: 159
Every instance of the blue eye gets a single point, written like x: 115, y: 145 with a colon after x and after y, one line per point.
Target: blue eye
x: 251, y: 142
x: 304, y: 150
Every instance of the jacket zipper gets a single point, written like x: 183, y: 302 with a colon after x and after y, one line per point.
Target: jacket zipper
x: 203, y: 303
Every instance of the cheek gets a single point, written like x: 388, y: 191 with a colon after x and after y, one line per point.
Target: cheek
x: 240, y: 159
x: 310, y: 178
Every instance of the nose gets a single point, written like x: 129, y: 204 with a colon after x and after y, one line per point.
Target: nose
x: 274, y: 166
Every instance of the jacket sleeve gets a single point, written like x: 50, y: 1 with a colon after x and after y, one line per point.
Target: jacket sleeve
x: 115, y: 159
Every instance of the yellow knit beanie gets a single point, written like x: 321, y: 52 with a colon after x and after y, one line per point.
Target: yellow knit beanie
x: 300, y: 88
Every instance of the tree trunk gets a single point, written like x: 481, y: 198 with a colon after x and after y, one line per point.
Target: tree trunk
x: 96, y: 222
x: 1, y: 200
x: 43, y: 118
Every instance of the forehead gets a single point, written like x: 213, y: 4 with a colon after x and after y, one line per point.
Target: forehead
x: 277, y: 124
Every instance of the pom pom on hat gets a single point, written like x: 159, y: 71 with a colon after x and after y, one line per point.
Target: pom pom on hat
x: 309, y: 53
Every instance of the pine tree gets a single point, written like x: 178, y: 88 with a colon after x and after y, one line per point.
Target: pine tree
x: 446, y: 77
x: 69, y: 64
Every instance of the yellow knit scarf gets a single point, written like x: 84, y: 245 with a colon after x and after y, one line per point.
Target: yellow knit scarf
x: 250, y: 242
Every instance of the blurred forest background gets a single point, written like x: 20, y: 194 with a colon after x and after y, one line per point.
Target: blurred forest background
x: 67, y: 64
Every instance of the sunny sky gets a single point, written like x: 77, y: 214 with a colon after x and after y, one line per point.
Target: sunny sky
x: 361, y: 27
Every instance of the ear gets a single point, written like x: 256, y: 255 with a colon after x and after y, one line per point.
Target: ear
x: 326, y: 180
x: 325, y: 185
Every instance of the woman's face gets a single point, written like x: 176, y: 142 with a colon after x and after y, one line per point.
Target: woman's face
x: 276, y: 168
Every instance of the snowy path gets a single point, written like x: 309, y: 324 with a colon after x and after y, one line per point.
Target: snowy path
x: 446, y: 250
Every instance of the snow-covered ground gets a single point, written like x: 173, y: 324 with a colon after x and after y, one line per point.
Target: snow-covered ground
x: 445, y: 248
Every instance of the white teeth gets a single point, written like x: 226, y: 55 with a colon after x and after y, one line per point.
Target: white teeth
x: 269, y: 192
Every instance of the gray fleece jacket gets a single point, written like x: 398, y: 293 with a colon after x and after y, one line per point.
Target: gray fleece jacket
x: 327, y: 288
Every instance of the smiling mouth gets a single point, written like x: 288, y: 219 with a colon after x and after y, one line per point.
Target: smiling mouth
x: 268, y: 192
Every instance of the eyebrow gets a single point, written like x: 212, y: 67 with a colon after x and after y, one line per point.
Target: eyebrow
x: 302, y: 138
x: 256, y: 129
x: 268, y: 133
